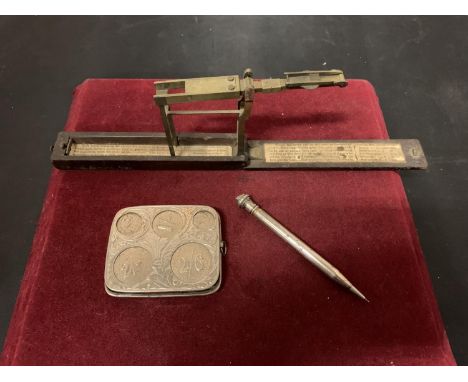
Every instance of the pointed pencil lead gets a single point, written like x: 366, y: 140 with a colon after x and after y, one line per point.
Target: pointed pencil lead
x: 357, y: 293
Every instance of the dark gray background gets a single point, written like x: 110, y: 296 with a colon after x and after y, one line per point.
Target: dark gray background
x: 418, y: 65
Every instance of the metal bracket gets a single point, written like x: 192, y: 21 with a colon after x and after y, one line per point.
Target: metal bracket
x: 231, y: 87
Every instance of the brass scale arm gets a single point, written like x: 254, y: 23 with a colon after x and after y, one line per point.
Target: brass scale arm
x: 232, y: 87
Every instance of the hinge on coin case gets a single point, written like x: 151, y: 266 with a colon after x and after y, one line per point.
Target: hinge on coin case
x: 151, y: 150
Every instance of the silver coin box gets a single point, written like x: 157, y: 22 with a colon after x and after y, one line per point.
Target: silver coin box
x: 157, y: 251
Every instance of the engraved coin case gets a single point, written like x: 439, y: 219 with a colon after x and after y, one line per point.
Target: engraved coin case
x: 157, y: 251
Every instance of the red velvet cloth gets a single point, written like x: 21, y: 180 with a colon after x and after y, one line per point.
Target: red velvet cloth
x: 273, y: 306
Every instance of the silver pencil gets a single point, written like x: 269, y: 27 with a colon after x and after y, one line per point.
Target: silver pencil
x: 244, y: 201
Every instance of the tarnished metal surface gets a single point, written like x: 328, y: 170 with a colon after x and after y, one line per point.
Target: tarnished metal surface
x: 388, y: 153
x: 333, y: 152
x: 132, y: 149
x: 200, y: 150
x: 157, y: 251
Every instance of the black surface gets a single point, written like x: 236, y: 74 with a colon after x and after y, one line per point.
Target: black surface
x: 418, y: 65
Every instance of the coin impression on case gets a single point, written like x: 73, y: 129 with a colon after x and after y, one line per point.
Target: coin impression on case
x: 160, y: 251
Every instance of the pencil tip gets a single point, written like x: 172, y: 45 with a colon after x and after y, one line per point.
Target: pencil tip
x: 340, y: 279
x: 357, y: 293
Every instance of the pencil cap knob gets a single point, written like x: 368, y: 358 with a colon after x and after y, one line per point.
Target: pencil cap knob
x: 244, y: 201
